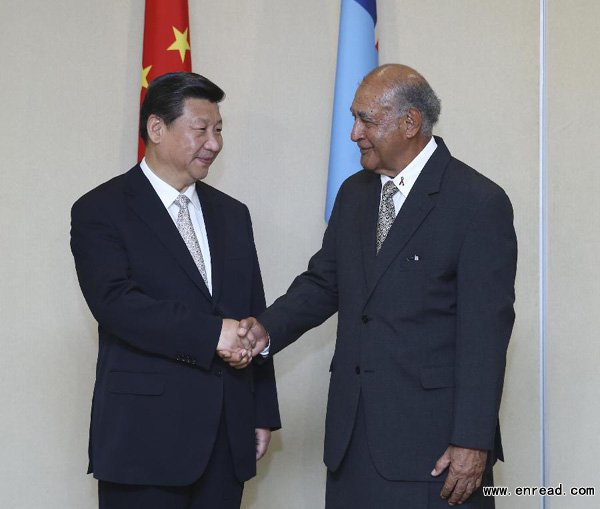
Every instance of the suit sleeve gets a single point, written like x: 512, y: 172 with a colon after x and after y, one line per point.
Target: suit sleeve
x: 265, y: 389
x: 312, y: 296
x: 485, y: 289
x: 164, y: 327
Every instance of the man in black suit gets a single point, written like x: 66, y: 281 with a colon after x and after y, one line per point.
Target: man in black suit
x: 167, y: 265
x: 419, y: 261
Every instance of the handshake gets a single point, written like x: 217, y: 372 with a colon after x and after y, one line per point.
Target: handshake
x: 240, y: 341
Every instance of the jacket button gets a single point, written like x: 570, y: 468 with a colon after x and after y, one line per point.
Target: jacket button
x: 365, y: 318
x: 357, y: 370
x: 219, y: 372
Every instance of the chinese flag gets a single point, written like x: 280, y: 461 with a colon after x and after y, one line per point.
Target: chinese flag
x: 166, y: 43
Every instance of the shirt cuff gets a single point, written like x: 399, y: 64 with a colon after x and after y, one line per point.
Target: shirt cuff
x: 265, y: 352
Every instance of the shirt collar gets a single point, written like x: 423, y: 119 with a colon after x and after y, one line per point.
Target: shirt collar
x: 166, y: 192
x: 407, y: 177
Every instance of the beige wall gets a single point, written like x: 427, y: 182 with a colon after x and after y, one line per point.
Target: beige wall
x: 573, y: 349
x: 69, y: 85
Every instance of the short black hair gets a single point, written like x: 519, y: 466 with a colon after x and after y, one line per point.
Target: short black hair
x: 167, y: 93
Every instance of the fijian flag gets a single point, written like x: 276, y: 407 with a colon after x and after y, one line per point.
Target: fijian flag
x: 356, y: 56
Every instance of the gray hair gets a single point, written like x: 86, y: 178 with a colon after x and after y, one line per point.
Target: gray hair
x: 418, y: 94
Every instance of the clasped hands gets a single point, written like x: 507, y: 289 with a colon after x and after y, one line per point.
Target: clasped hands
x: 240, y: 341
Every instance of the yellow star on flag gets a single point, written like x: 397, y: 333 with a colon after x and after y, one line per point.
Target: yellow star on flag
x: 145, y: 72
x: 181, y: 43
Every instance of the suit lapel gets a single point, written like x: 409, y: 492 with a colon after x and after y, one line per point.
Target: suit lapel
x: 144, y: 201
x: 213, y: 217
x: 368, y: 214
x: 415, y: 209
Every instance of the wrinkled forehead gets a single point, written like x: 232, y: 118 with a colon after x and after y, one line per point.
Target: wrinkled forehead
x: 372, y: 97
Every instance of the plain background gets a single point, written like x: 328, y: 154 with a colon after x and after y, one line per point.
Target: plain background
x: 69, y: 85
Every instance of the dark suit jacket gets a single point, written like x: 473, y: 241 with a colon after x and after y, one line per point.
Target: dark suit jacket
x: 423, y: 326
x: 160, y: 391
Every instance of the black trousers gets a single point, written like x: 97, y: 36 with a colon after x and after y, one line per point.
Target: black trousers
x: 218, y: 488
x: 358, y: 485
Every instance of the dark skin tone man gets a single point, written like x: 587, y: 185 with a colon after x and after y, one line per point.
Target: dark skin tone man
x: 390, y: 138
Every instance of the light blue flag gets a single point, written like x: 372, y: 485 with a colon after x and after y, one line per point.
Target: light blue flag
x: 356, y: 56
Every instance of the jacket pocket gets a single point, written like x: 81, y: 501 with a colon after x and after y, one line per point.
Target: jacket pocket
x: 436, y: 377
x: 146, y: 384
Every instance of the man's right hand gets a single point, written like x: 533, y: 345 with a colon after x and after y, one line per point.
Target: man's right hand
x: 252, y: 338
x: 254, y: 333
x: 236, y: 350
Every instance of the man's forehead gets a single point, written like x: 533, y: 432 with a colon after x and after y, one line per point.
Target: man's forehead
x: 201, y: 110
x: 205, y: 119
x: 368, y: 101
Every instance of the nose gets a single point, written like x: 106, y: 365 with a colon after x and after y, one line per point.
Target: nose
x: 214, y: 142
x: 356, y: 133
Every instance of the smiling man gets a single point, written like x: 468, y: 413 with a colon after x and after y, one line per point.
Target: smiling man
x: 419, y: 261
x: 167, y: 264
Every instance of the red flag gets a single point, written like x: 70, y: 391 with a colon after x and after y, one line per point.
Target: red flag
x: 166, y: 43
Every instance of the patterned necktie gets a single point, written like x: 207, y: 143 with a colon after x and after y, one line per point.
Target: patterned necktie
x: 387, y: 212
x: 186, y: 229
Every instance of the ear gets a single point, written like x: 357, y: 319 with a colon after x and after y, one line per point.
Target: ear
x: 412, y: 122
x: 155, y: 127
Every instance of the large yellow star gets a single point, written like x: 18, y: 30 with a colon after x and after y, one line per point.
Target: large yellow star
x: 145, y: 72
x: 181, y: 43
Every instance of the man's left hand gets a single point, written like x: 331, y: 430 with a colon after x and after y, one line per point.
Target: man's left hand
x: 263, y: 437
x: 466, y: 471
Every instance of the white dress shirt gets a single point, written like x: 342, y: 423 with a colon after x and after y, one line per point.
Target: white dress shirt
x: 406, y: 178
x: 168, y: 195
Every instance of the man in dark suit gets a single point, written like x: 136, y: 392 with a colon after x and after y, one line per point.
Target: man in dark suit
x: 419, y: 261
x: 167, y: 265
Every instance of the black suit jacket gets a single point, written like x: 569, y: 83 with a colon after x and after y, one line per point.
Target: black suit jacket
x: 160, y: 391
x: 423, y: 326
